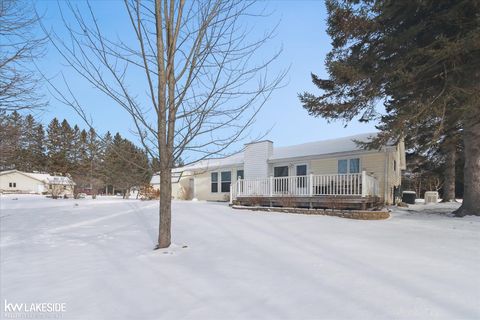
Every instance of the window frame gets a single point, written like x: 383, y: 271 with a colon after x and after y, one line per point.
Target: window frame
x: 237, y: 175
x: 348, y: 160
x: 213, y: 183
x: 338, y: 166
x: 222, y: 182
x: 350, y: 165
x: 281, y: 166
x: 301, y: 182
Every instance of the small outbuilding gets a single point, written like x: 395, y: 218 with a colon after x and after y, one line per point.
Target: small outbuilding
x: 15, y: 181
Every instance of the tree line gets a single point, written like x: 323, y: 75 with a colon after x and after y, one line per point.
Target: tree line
x: 99, y: 163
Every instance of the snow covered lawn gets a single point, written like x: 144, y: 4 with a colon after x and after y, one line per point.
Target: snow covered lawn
x: 97, y: 258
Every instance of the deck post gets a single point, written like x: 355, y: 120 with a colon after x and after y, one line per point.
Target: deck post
x: 364, y: 184
x: 310, y: 185
x: 231, y: 193
x: 240, y: 184
x: 271, y: 186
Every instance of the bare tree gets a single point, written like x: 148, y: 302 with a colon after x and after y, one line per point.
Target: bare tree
x: 19, y: 47
x: 197, y: 66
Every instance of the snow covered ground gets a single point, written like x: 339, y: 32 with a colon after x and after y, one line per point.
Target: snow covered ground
x: 96, y: 256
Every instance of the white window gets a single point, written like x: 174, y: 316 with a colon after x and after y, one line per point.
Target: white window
x: 354, y: 165
x: 12, y: 184
x: 349, y: 165
x: 214, y: 182
x: 301, y: 173
x: 342, y: 166
x: 240, y: 174
x: 226, y: 177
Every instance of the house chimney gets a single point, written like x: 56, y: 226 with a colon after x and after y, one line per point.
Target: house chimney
x: 256, y: 159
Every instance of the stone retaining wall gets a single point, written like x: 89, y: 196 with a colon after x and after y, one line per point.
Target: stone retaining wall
x: 349, y: 214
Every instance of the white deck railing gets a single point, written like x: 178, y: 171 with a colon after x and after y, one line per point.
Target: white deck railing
x: 351, y: 184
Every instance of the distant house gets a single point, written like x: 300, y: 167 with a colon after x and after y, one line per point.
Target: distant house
x: 14, y: 181
x: 327, y: 169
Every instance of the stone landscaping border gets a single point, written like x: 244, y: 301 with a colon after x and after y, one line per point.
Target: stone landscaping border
x: 349, y: 214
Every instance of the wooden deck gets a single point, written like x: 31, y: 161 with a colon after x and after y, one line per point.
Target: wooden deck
x: 317, y: 202
x: 358, y: 191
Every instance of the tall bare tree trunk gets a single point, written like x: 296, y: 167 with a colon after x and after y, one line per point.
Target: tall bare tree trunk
x: 164, y: 236
x: 471, y: 193
x: 449, y: 173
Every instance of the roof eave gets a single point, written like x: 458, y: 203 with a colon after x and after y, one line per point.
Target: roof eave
x: 324, y: 155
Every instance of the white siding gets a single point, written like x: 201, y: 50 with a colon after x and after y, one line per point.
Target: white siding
x: 256, y: 159
x: 23, y: 183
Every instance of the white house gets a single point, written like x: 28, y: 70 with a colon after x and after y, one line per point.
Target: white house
x: 337, y: 167
x: 14, y: 181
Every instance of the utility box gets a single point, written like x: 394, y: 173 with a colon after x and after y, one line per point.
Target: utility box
x: 409, y: 197
x: 431, y: 197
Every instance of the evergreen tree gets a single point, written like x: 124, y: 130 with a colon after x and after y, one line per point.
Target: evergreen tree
x: 94, y: 156
x: 74, y: 151
x: 67, y: 147
x: 38, y: 149
x: 26, y: 143
x: 125, y: 165
x: 81, y: 164
x: 420, y: 58
x: 57, y: 157
x: 440, y: 144
x: 10, y: 135
x: 21, y: 143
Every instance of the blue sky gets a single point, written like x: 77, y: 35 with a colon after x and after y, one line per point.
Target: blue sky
x: 301, y: 33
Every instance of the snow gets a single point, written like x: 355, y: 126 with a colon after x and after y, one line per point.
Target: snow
x: 321, y: 147
x: 96, y: 256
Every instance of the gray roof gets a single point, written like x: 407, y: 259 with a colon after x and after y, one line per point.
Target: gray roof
x: 321, y: 147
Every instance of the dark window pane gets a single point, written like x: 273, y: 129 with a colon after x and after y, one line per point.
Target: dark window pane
x: 280, y: 171
x: 214, y: 187
x: 226, y: 180
x: 302, y: 179
x: 225, y: 186
x: 240, y: 174
x: 342, y: 166
x: 214, y: 176
x: 226, y: 176
x: 302, y: 170
x: 355, y: 165
x: 281, y: 185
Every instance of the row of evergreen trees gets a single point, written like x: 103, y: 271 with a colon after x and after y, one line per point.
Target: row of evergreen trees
x: 93, y: 161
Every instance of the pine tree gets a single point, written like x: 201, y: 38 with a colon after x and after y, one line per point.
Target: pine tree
x: 420, y: 58
x: 57, y: 158
x: 26, y: 141
x: 94, y: 155
x: 67, y: 147
x: 125, y: 165
x: 10, y: 133
x: 74, y: 151
x: 38, y: 149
